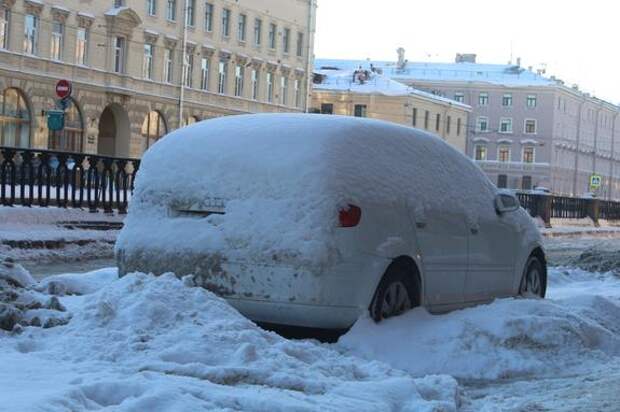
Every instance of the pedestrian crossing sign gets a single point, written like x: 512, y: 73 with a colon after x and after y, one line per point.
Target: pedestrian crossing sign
x: 595, y: 181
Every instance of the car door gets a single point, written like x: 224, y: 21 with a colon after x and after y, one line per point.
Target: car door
x: 492, y: 255
x: 441, y: 240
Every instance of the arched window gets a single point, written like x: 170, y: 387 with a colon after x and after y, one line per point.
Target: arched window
x: 71, y: 137
x: 190, y: 120
x: 14, y: 119
x: 153, y: 128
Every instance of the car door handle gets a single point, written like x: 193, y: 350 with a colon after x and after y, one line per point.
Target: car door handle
x: 473, y: 230
x: 420, y: 225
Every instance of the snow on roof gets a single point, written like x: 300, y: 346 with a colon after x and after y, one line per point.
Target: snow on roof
x: 501, y: 74
x: 115, y: 11
x: 343, y: 80
x: 86, y: 15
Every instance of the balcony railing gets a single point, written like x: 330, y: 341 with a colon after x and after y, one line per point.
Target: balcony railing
x: 33, y: 177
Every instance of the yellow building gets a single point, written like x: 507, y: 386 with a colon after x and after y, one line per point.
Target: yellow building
x: 141, y: 68
x: 367, y: 93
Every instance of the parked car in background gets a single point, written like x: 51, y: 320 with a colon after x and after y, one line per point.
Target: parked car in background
x: 314, y: 220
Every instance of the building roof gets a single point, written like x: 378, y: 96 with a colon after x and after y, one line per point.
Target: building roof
x: 343, y: 80
x: 499, y: 74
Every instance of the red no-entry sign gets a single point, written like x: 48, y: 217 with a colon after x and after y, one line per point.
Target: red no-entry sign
x: 63, y: 89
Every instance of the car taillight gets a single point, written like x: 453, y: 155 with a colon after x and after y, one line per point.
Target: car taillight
x: 350, y: 217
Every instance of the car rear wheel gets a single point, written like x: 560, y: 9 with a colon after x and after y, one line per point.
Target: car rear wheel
x: 396, y: 294
x: 534, y: 280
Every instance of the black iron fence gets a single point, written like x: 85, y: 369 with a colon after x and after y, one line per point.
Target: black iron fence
x: 549, y: 207
x: 32, y: 177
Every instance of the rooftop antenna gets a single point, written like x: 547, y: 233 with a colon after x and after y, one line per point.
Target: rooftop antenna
x: 510, y: 51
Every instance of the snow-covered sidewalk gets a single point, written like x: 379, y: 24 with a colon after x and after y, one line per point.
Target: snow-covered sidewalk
x: 160, y: 344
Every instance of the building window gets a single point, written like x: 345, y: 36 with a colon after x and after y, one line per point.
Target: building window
x: 258, y: 28
x: 286, y: 40
x: 208, y: 17
x: 458, y: 126
x: 242, y: 25
x: 502, y: 181
x: 147, y: 64
x: 414, y: 117
x: 5, y: 19
x: 503, y: 153
x: 190, y: 13
x: 239, y: 72
x: 530, y: 126
x: 300, y: 44
x: 480, y: 152
x: 222, y: 77
x: 297, y: 93
x: 526, y: 183
x: 505, y: 125
x: 482, y: 124
x: 188, y: 69
x: 448, y: 121
x: 327, y: 108
x: 153, y: 128
x: 171, y: 10
x: 272, y: 35
x: 119, y: 3
x: 437, y: 121
x: 204, y: 73
x: 81, y: 46
x: 70, y: 138
x: 14, y: 119
x: 507, y: 100
x: 459, y: 97
x: 426, y: 118
x: 255, y: 84
x: 57, y: 40
x: 360, y: 110
x: 483, y: 99
x: 269, y: 87
x: 531, y: 101
x: 283, y: 90
x: 151, y: 7
x: 31, y: 32
x: 168, y: 65
x: 528, y: 154
x: 119, y: 54
x: 225, y: 22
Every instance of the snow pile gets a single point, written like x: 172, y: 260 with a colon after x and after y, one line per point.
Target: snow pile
x: 283, y: 178
x: 145, y: 342
x: 22, y: 306
x: 506, y: 339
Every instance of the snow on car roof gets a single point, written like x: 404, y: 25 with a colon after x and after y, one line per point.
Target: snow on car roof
x: 289, y: 174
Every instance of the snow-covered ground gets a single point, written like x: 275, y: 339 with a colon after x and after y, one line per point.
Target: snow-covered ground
x: 145, y: 343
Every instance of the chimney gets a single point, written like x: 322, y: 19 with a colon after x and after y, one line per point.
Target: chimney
x: 519, y: 61
x: 465, y: 58
x: 401, y: 58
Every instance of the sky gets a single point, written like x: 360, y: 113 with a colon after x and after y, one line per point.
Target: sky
x: 578, y: 42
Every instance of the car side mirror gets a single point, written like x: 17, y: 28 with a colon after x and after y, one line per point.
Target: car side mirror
x: 506, y: 202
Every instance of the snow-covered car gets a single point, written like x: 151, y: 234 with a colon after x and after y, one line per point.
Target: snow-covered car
x: 314, y: 220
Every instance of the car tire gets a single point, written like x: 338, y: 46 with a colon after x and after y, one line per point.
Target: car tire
x: 397, y: 293
x: 534, y: 280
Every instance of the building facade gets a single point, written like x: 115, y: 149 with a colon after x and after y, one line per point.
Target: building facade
x: 141, y: 68
x: 525, y: 130
x: 342, y: 92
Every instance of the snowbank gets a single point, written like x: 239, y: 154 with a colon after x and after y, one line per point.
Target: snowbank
x: 282, y: 179
x: 506, y: 339
x: 153, y: 343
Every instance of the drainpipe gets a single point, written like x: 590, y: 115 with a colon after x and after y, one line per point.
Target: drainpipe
x: 183, y: 67
x: 613, y: 157
x: 309, y: 69
x: 598, y: 115
x: 577, y: 146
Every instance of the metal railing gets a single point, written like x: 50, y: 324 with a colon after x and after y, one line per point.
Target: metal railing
x: 547, y: 207
x: 34, y: 177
